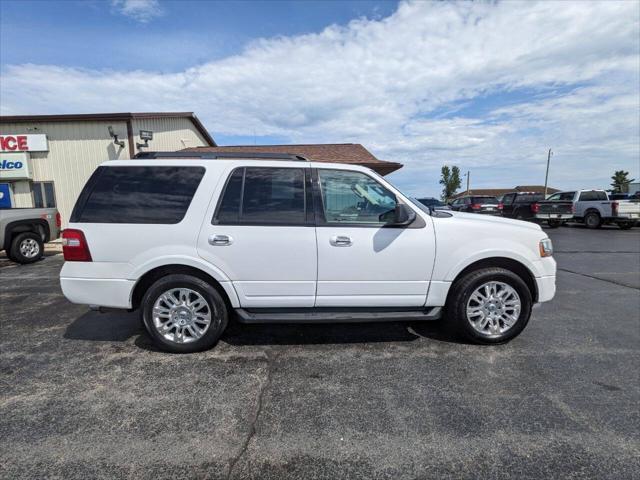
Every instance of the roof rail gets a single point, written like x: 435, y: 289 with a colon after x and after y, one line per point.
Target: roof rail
x: 221, y: 155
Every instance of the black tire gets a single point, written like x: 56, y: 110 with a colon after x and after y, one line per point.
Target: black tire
x: 215, y: 303
x: 625, y: 225
x: 592, y: 220
x: 554, y: 223
x: 26, y: 247
x: 464, y: 287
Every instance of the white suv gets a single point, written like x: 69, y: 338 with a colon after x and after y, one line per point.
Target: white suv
x: 190, y: 238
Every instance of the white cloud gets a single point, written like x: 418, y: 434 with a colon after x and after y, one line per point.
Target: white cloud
x: 486, y: 86
x: 140, y: 10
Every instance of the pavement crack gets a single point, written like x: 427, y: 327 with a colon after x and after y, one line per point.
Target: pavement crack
x: 620, y: 284
x: 254, y: 420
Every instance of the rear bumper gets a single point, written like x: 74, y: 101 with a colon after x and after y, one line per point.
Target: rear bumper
x: 554, y: 216
x: 546, y: 288
x: 114, y: 293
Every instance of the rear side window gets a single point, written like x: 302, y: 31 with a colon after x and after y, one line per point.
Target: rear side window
x: 592, y: 196
x: 486, y: 200
x: 149, y: 195
x: 263, y: 195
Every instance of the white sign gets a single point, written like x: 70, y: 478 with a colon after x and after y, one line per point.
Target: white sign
x: 14, y: 166
x: 23, y: 143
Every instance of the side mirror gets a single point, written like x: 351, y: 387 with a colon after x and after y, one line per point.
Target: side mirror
x: 404, y: 215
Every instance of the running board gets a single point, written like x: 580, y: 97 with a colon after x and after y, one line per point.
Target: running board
x: 335, y: 315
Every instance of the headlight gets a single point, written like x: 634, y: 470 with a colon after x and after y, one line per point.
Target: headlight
x: 546, y: 247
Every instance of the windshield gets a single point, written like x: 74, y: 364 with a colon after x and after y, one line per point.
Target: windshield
x: 431, y: 202
x: 420, y: 205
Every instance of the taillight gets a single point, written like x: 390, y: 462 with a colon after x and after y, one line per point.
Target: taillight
x: 476, y: 206
x: 573, y: 208
x: 58, y: 220
x: 74, y: 246
x: 500, y: 206
x: 614, y: 209
x: 535, y: 207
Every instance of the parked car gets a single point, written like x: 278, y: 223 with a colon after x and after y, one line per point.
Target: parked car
x: 532, y: 206
x: 24, y: 231
x: 434, y: 203
x: 593, y: 208
x: 188, y: 241
x: 484, y: 204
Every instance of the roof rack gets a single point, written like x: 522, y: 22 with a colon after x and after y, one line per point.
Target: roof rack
x: 216, y: 155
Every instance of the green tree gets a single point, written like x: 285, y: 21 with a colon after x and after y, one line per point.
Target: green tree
x: 621, y: 181
x: 450, y: 181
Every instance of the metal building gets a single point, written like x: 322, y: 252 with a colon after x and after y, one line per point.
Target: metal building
x: 45, y: 160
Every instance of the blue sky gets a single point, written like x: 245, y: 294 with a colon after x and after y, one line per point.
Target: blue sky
x: 485, y: 86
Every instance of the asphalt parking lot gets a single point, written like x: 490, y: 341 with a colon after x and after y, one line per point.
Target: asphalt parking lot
x: 85, y: 395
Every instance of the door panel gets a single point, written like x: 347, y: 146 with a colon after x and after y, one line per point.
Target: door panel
x: 361, y: 261
x: 268, y: 265
x: 263, y: 237
x: 382, y: 267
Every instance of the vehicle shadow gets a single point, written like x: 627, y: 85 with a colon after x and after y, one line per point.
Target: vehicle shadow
x: 105, y: 327
x: 122, y: 326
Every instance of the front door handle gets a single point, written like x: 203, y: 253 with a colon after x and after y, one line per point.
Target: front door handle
x: 340, y: 241
x: 220, y: 240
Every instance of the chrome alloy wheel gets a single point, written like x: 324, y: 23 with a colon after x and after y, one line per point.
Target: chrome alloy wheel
x: 29, y: 248
x: 181, y: 315
x: 494, y: 307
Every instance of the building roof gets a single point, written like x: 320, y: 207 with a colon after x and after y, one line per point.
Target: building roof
x: 113, y: 117
x: 349, y: 153
x: 495, y: 192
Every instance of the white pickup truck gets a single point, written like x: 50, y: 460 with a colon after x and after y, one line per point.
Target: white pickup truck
x: 594, y: 209
x: 275, y: 238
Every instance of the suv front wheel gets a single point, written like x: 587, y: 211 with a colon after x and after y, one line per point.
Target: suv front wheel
x: 490, y: 305
x: 184, y: 314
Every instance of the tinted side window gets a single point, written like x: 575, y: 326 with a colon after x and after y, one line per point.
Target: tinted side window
x: 229, y: 209
x: 263, y: 195
x: 592, y: 196
x: 151, y: 195
x: 529, y: 198
x: 508, y: 199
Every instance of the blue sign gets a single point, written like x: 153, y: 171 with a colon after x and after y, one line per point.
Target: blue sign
x: 9, y: 165
x: 5, y: 197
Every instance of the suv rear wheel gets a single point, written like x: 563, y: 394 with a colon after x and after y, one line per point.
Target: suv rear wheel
x: 490, y: 305
x: 26, y: 247
x: 184, y: 314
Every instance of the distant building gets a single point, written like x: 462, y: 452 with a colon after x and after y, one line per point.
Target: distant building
x: 45, y: 160
x: 348, y: 153
x: 496, y: 192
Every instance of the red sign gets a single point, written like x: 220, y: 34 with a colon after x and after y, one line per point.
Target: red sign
x: 23, y: 143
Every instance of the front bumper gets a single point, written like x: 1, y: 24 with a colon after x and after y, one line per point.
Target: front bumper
x: 546, y: 288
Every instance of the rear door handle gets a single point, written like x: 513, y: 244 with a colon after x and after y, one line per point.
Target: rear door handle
x: 220, y: 240
x: 340, y: 241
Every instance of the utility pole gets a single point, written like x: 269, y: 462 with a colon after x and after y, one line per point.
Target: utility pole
x: 468, y: 176
x: 546, y: 176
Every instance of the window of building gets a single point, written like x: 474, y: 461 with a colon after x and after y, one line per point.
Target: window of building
x: 353, y: 197
x: 264, y: 195
x: 43, y: 195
